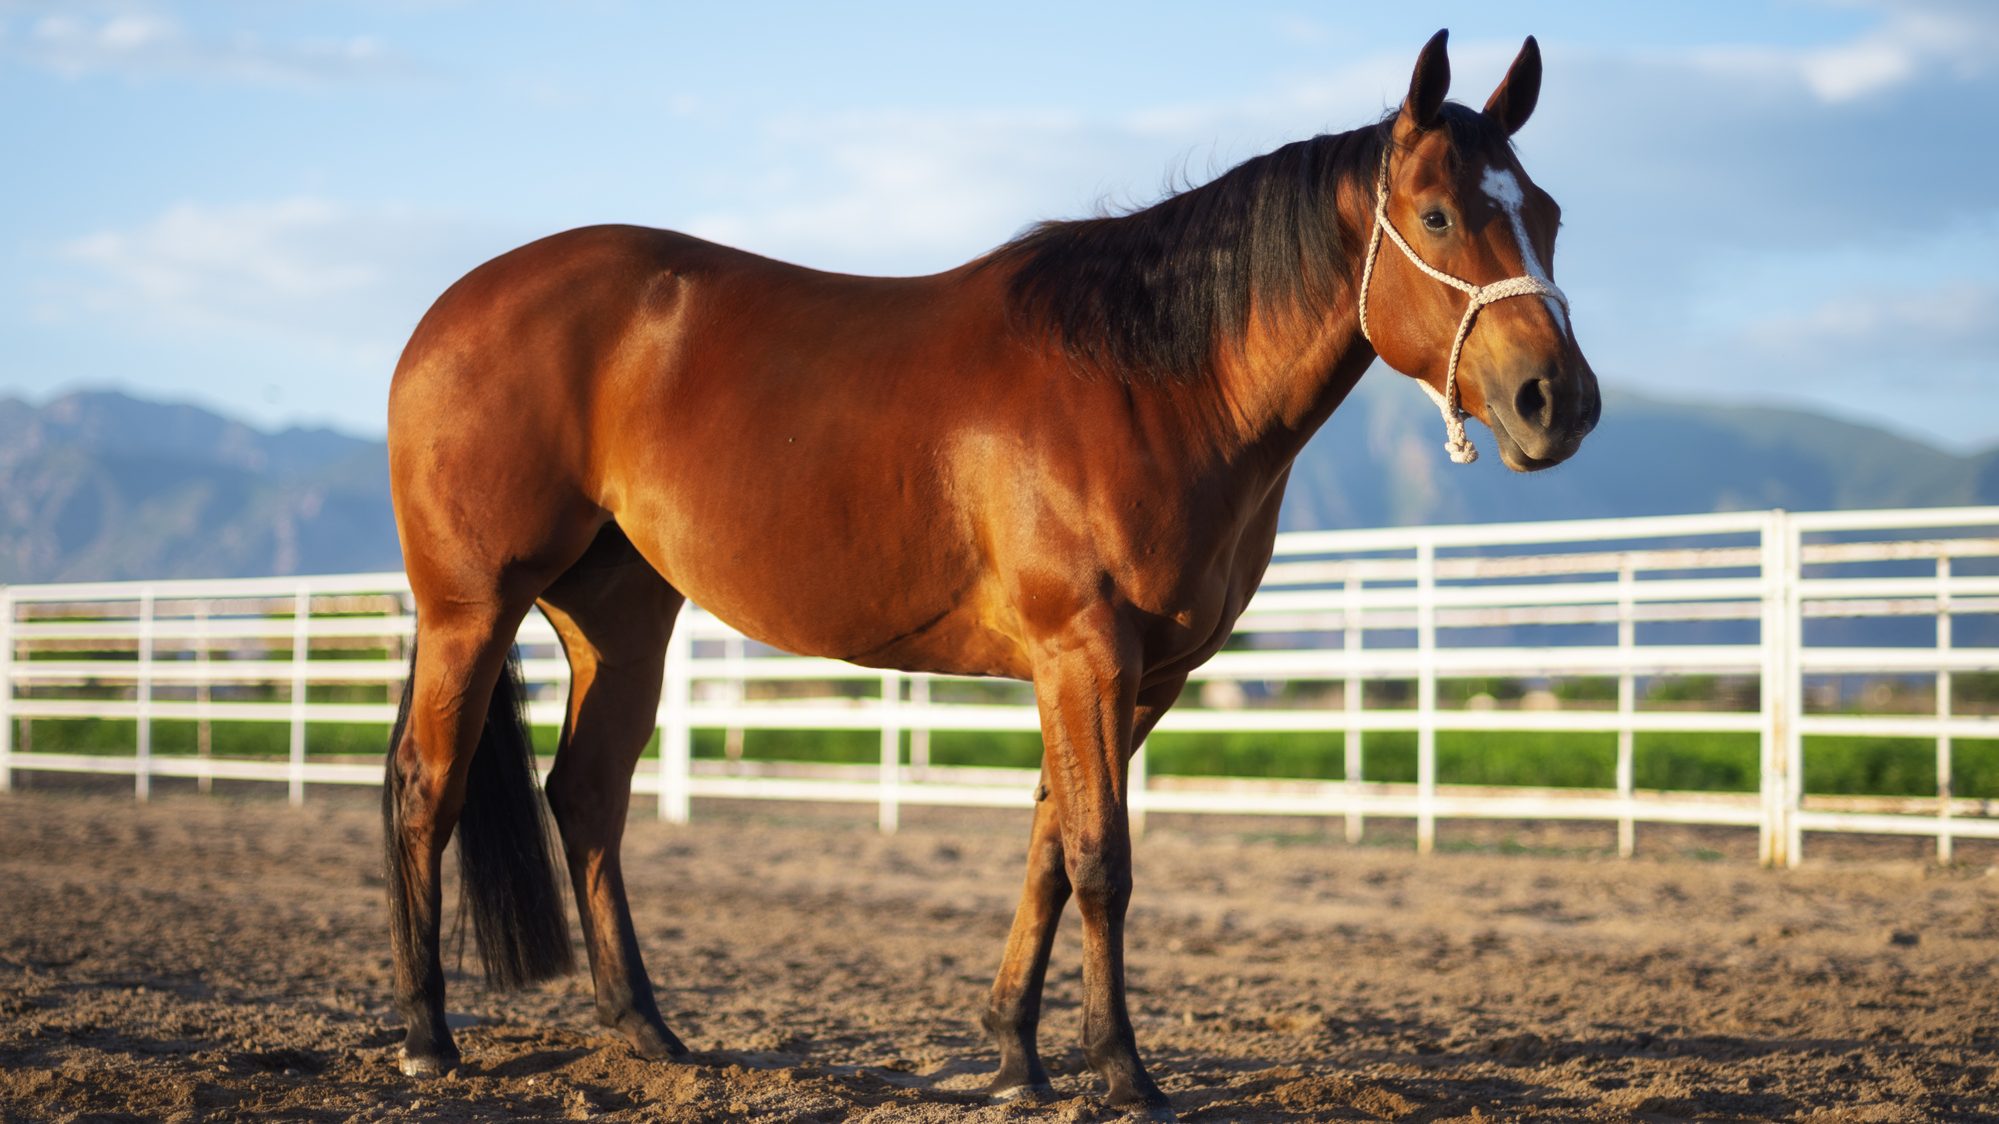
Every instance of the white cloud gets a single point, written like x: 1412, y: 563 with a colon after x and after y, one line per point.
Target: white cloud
x: 902, y: 191
x: 305, y: 270
x: 1954, y: 314
x: 1913, y: 39
x: 1940, y: 336
x: 144, y: 44
x: 248, y: 254
x: 281, y: 310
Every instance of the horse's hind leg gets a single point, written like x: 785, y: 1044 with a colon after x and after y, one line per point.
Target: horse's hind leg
x: 1013, y: 1014
x: 446, y: 731
x: 613, y: 613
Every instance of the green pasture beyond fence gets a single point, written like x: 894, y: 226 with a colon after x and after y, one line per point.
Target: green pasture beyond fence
x: 1697, y: 762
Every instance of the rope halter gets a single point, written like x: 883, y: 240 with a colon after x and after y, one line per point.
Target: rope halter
x: 1458, y: 445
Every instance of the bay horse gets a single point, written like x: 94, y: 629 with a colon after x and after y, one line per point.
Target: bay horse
x: 1061, y: 462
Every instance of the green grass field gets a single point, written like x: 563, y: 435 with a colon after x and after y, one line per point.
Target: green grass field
x: 1691, y: 762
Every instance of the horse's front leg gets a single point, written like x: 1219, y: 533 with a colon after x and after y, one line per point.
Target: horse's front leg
x: 1013, y: 1015
x: 1086, y: 683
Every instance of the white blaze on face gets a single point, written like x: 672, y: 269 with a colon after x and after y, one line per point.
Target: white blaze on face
x: 1503, y: 188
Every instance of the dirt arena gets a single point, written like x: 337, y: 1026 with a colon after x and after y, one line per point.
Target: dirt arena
x: 221, y: 957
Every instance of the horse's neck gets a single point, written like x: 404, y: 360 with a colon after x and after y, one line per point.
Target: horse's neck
x: 1273, y: 399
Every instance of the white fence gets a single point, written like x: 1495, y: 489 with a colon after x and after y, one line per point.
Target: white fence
x: 1354, y: 633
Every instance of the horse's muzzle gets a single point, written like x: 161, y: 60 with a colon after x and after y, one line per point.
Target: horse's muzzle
x: 1540, y: 418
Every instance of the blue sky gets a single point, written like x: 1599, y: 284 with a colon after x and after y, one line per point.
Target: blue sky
x: 248, y: 205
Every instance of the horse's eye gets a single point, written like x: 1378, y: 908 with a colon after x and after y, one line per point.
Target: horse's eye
x: 1436, y: 222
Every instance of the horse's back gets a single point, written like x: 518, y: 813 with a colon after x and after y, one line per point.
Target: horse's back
x: 587, y: 293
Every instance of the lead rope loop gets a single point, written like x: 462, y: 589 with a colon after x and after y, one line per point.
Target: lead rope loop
x: 1457, y: 443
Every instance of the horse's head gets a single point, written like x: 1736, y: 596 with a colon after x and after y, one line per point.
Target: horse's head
x: 1460, y: 287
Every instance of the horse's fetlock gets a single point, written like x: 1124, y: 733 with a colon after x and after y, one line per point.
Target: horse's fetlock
x: 1009, y: 1019
x: 1100, y: 1051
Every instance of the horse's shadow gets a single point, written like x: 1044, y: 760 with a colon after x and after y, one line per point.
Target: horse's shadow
x: 536, y: 1062
x: 958, y: 1081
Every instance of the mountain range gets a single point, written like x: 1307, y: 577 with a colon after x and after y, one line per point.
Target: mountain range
x: 100, y: 485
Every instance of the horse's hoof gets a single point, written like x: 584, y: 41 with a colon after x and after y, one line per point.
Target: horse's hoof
x: 1025, y: 1092
x: 425, y: 1065
x: 1154, y: 1109
x: 649, y: 1040
x: 1140, y: 1103
x: 654, y: 1048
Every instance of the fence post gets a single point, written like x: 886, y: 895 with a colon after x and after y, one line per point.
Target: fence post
x: 1794, y: 692
x: 888, y: 817
x: 1778, y: 641
x: 204, y: 745
x: 301, y: 649
x: 676, y: 735
x: 1768, y: 645
x: 735, y: 649
x: 1945, y: 784
x: 142, y: 766
x: 1627, y: 705
x: 1769, y: 831
x: 1350, y: 639
x: 6, y: 689
x: 1774, y: 641
x: 1426, y: 696
x: 919, y: 734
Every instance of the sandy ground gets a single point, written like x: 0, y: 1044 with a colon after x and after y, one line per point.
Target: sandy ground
x: 223, y: 957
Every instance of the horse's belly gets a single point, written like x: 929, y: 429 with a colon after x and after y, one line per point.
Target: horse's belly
x: 953, y: 641
x: 842, y: 593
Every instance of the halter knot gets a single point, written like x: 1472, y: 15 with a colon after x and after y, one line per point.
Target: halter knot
x: 1457, y: 443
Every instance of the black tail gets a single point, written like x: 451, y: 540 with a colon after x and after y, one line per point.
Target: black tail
x: 506, y: 874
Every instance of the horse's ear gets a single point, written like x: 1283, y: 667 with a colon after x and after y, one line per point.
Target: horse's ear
x: 1429, y: 84
x: 1513, y: 102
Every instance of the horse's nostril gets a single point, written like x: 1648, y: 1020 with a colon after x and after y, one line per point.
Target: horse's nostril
x: 1531, y: 401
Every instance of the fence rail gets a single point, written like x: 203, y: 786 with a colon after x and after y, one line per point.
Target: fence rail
x: 1353, y: 632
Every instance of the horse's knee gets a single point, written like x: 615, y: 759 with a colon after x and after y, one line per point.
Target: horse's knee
x: 1003, y: 1017
x: 1099, y: 873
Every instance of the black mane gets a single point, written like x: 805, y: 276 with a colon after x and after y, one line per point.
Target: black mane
x: 1157, y: 294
